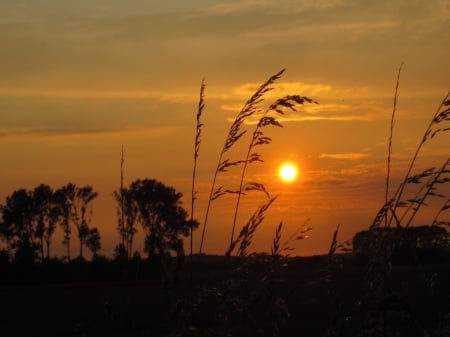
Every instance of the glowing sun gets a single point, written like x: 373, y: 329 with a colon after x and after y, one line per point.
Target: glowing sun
x: 288, y: 172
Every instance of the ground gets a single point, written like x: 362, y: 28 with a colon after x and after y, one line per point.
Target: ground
x: 322, y: 295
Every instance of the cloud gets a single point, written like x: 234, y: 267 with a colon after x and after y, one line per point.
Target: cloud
x: 299, y: 118
x: 315, y: 19
x: 238, y: 6
x: 345, y: 156
x: 284, y: 88
x: 145, y: 22
x: 314, y: 91
x: 78, y: 42
x: 139, y: 20
x: 311, y: 112
x: 53, y: 132
x: 176, y: 97
x: 288, y: 6
x: 281, y: 89
x: 335, y: 102
x: 231, y: 107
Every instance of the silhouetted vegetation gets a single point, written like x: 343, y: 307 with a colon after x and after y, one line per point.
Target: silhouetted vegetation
x: 253, y: 302
x: 157, y: 208
x: 390, y: 280
x: 30, y: 218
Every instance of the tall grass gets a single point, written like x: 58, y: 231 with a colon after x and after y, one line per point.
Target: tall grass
x: 245, y: 237
x: 258, y: 138
x: 252, y: 109
x: 394, y: 109
x: 122, y: 202
x: 235, y: 311
x: 198, y: 139
x: 247, y: 302
x: 234, y: 134
x: 433, y: 176
x: 398, y: 213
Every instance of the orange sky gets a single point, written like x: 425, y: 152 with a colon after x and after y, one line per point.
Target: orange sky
x: 81, y: 79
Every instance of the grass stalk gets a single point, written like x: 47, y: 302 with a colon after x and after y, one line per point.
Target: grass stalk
x: 444, y: 207
x: 122, y: 201
x: 391, y: 205
x: 198, y: 133
x: 258, y: 138
x: 334, y: 242
x: 426, y: 191
x: 438, y: 117
x: 300, y: 233
x: 233, y: 136
x: 394, y: 109
x: 246, y: 235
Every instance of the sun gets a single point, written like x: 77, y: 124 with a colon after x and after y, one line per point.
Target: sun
x: 288, y: 172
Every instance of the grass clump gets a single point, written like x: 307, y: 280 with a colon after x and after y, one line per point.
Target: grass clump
x: 389, y: 307
x: 249, y: 301
x: 245, y: 303
x: 251, y: 109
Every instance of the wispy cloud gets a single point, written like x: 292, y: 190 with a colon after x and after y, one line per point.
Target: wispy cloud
x: 285, y: 88
x: 315, y: 90
x: 177, y: 97
x: 251, y: 5
x: 299, y: 118
x: 53, y: 132
x: 281, y: 89
x: 356, y: 19
x: 317, y: 30
x: 340, y: 102
x: 345, y: 156
x: 322, y: 112
x: 238, y: 6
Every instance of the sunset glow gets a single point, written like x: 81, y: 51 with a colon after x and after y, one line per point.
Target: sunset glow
x: 80, y: 79
x: 288, y: 172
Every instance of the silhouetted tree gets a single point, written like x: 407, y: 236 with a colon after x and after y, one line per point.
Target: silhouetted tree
x: 82, y: 212
x: 55, y: 217
x: 17, y: 226
x: 93, y: 241
x: 127, y: 214
x: 405, y: 240
x: 42, y: 197
x: 29, y: 220
x: 64, y: 198
x: 162, y: 217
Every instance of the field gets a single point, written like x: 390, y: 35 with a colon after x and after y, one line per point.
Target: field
x: 393, y: 283
x: 324, y: 296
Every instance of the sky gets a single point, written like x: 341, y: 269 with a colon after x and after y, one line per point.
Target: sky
x: 80, y: 79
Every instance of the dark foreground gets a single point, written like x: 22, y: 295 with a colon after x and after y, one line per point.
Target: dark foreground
x: 323, y: 299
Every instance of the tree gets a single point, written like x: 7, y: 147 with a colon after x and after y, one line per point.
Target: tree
x: 127, y: 214
x: 45, y: 216
x: 82, y: 212
x: 17, y: 226
x: 64, y: 199
x: 162, y: 218
x: 400, y: 240
x: 29, y: 220
x: 55, y: 217
x: 93, y: 242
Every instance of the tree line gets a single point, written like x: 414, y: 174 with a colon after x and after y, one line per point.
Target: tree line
x: 29, y: 220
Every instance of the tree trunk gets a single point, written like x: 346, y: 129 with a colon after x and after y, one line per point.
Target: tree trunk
x: 41, y: 243
x: 68, y: 250
x: 130, y: 248
x: 81, y: 247
x: 48, y: 249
